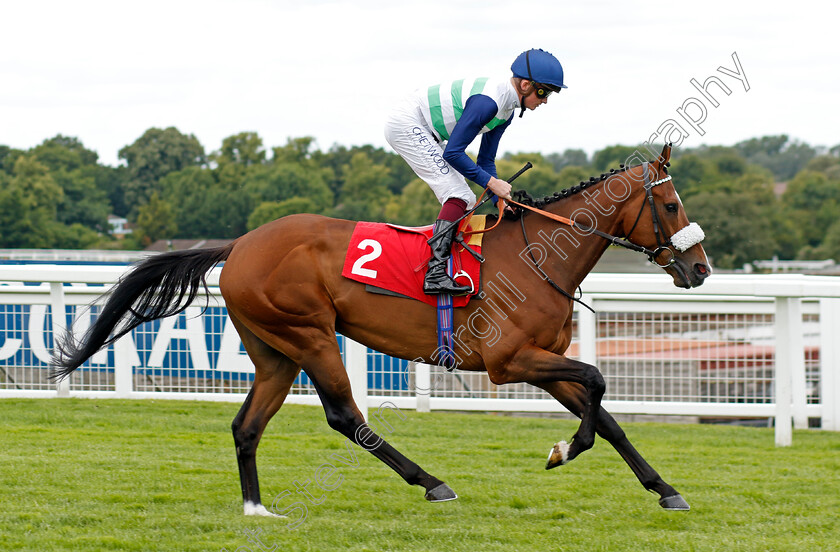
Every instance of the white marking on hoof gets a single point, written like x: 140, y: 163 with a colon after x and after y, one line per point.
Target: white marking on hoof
x: 563, y: 448
x: 558, y: 455
x: 252, y: 509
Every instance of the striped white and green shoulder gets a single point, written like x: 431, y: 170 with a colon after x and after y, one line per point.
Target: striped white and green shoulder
x: 444, y: 103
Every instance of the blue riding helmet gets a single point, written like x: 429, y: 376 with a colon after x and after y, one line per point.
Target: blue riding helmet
x: 539, y: 66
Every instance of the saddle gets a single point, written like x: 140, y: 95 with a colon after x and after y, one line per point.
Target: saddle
x: 393, y: 259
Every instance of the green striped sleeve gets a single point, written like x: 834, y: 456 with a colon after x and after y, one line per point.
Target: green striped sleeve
x: 478, y: 86
x: 457, y: 104
x: 437, y: 112
x: 495, y: 122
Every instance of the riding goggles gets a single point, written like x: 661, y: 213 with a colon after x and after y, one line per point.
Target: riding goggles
x: 543, y: 90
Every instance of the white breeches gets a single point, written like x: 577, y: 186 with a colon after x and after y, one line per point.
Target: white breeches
x: 407, y: 133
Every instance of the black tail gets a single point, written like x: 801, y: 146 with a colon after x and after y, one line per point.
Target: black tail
x: 158, y: 287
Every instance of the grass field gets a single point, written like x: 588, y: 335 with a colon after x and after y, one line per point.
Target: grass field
x: 161, y: 475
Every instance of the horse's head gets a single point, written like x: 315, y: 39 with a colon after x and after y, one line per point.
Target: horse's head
x: 654, y: 218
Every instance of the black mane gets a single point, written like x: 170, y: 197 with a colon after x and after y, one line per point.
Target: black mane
x: 524, y: 197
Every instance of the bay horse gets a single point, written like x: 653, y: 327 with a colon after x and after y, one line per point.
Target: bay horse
x: 285, y: 295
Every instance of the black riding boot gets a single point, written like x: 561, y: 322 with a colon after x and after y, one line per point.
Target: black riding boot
x: 437, y: 280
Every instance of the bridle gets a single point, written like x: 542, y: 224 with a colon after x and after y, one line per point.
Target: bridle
x: 662, y: 244
x: 688, y: 236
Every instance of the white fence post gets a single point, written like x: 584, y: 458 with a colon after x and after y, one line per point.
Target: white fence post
x: 423, y: 386
x: 355, y: 358
x: 587, y: 334
x: 830, y: 363
x: 125, y: 358
x: 789, y: 367
x: 798, y: 385
x: 58, y: 307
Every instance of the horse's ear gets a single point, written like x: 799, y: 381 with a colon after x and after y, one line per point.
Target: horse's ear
x: 666, y: 154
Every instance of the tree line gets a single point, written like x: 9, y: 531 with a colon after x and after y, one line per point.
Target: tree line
x: 759, y: 198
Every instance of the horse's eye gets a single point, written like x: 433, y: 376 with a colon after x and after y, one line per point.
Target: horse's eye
x: 671, y: 207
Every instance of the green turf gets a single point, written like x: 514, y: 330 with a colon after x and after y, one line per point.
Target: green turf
x: 161, y: 475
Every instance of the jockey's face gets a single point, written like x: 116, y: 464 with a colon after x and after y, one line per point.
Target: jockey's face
x: 532, y: 100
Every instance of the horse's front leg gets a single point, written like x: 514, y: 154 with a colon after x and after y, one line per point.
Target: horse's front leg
x: 534, y: 365
x: 573, y: 397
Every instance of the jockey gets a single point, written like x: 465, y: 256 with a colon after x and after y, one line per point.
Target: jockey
x: 432, y: 129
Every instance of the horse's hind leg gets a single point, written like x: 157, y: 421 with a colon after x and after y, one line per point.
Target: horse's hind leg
x: 572, y: 396
x: 324, y: 367
x: 275, y: 374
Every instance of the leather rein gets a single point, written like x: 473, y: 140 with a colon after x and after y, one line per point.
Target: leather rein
x: 663, y: 244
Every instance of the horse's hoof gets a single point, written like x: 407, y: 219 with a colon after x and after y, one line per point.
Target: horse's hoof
x: 558, y: 455
x: 441, y: 493
x: 676, y: 502
x: 252, y: 509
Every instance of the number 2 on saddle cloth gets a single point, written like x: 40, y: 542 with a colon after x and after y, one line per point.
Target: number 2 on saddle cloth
x: 393, y: 259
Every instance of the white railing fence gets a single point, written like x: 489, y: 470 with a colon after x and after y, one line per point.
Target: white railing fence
x: 741, y: 346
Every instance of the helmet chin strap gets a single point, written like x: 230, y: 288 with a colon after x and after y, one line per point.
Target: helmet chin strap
x: 530, y: 79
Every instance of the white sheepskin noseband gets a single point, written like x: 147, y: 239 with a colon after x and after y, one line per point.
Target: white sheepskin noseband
x: 688, y: 236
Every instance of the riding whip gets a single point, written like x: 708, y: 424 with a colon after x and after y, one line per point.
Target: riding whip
x: 434, y: 238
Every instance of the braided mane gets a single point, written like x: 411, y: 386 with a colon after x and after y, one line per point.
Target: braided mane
x: 524, y: 197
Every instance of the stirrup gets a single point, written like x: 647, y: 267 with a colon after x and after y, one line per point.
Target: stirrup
x: 443, y: 283
x: 463, y: 273
x: 443, y: 289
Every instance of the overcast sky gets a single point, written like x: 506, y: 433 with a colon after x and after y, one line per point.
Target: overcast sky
x: 105, y: 72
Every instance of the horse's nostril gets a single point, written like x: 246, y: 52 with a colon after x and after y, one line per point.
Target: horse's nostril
x: 701, y: 269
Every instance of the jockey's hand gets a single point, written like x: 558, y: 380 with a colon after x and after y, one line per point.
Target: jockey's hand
x: 499, y: 187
